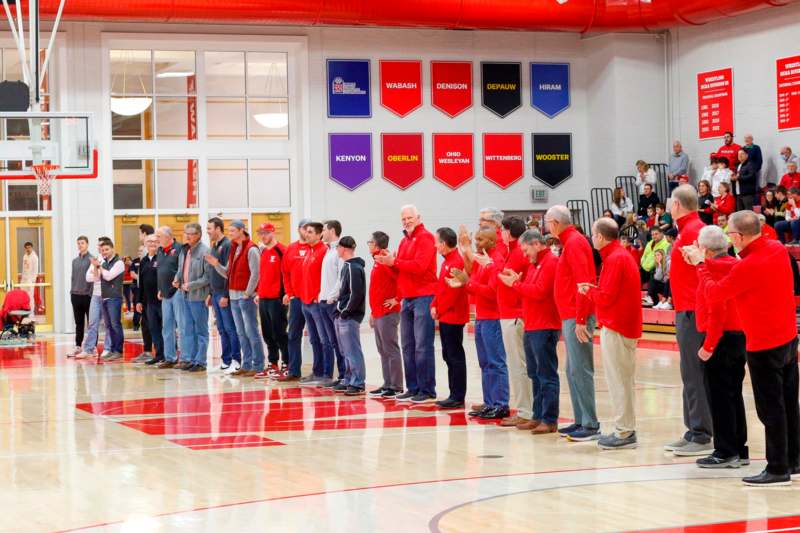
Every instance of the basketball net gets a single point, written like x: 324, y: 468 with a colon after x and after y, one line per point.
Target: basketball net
x: 45, y: 174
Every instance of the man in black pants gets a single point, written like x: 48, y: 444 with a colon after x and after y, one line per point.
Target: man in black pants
x: 136, y: 268
x: 149, y: 304
x: 272, y: 312
x: 80, y: 292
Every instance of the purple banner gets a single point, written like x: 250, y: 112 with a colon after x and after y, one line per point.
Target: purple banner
x: 350, y: 158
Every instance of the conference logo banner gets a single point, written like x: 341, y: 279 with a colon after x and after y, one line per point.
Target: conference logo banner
x: 453, y: 158
x: 348, y: 88
x: 502, y: 158
x: 451, y: 86
x: 501, y: 91
x: 550, y: 87
x: 402, y: 158
x: 350, y: 158
x: 552, y: 158
x: 715, y: 102
x: 401, y: 86
x: 788, y: 72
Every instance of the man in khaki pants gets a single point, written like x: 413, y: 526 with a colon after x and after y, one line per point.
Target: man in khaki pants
x: 617, y: 299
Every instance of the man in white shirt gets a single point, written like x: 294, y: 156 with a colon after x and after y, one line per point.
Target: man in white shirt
x: 328, y: 293
x: 30, y: 271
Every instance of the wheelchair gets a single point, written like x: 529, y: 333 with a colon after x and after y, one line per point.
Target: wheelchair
x: 20, y: 327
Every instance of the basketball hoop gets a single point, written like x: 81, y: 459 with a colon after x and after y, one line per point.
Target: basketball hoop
x: 45, y: 174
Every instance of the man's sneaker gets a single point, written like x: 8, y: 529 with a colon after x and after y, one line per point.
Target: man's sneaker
x: 184, y: 365
x: 197, y: 368
x: 390, y: 394
x: 494, y: 413
x: 568, y: 430
x: 232, y: 367
x: 612, y: 442
x: 376, y: 393
x: 104, y: 353
x: 264, y: 374
x: 354, y: 391
x: 311, y: 379
x: 339, y: 388
x: 666, y: 306
x: 423, y: 398
x: 113, y: 357
x: 694, y: 449
x: 154, y: 361
x: 189, y: 367
x: 449, y: 403
x: 85, y: 355
x: 167, y: 364
x: 672, y: 446
x: 287, y: 378
x: 142, y: 357
x: 329, y: 383
x: 714, y: 461
x: 647, y: 301
x: 272, y: 370
x: 405, y: 397
x: 584, y: 434
x: 105, y: 356
x: 765, y: 479
x: 478, y: 412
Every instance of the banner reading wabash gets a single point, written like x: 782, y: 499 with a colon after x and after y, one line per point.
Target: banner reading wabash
x: 552, y: 157
x: 502, y: 158
x: 402, y: 158
x: 500, y: 87
x: 350, y: 158
x: 348, y: 88
x: 550, y: 87
x: 451, y: 86
x: 401, y: 86
x: 452, y: 158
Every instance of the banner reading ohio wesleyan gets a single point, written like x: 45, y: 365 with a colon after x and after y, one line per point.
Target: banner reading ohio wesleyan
x: 552, y: 158
x: 401, y: 86
x: 500, y: 87
x: 452, y: 158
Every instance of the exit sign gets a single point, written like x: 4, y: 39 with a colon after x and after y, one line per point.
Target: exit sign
x: 538, y: 195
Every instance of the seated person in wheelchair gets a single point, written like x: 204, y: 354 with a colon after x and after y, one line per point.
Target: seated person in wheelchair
x: 16, y: 300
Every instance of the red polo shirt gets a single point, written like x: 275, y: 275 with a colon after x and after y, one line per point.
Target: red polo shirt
x: 618, y: 295
x: 271, y: 271
x: 575, y: 265
x: 293, y: 267
x: 382, y: 287
x: 509, y: 302
x: 482, y: 285
x: 683, y: 276
x: 452, y: 304
x: 537, y: 291
x: 416, y: 264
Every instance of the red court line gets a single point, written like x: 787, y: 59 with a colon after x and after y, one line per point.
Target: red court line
x: 781, y: 523
x: 226, y: 441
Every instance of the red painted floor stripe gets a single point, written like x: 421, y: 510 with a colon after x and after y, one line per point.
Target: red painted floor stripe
x: 226, y: 441
x: 782, y: 523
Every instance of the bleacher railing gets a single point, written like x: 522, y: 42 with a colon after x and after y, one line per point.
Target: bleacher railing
x: 628, y: 184
x: 600, y: 200
x: 662, y: 182
x: 580, y: 211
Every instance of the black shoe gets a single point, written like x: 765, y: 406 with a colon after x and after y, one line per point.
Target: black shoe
x: 449, y: 404
x: 197, y: 368
x: 188, y: 367
x: 495, y: 413
x: 765, y: 479
x: 154, y: 361
x: 715, y: 461
x: 423, y: 398
x: 377, y: 392
x: 185, y: 365
x: 354, y: 391
x: 405, y: 397
x: 390, y: 394
x: 479, y: 412
x: 339, y: 388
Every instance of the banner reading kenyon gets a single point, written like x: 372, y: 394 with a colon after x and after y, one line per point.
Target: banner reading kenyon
x: 348, y: 88
x: 350, y: 158
x: 552, y: 158
x: 500, y: 87
x: 550, y: 87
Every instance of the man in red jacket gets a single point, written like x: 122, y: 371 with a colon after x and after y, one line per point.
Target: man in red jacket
x: 311, y: 279
x: 385, y: 319
x: 415, y: 264
x: 450, y: 307
x: 770, y: 337
x: 576, y: 265
x: 292, y: 280
x: 617, y: 299
x: 696, y: 441
x: 271, y: 309
x: 730, y: 150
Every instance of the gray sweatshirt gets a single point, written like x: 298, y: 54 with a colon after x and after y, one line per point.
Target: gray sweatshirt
x: 79, y: 285
x: 199, y: 285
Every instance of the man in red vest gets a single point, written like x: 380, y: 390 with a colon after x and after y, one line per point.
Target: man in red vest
x: 271, y: 308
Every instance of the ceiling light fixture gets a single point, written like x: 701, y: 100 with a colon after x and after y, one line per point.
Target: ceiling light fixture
x: 129, y: 106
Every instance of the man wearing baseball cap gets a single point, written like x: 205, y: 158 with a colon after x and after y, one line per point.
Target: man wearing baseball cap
x: 271, y: 309
x: 292, y: 281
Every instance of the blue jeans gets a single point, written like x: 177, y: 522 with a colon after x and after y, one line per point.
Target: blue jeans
x: 349, y: 335
x: 492, y: 360
x: 245, y: 316
x: 542, y: 362
x: 580, y: 374
x: 93, y: 330
x: 172, y: 317
x: 227, y: 331
x: 323, y: 356
x: 416, y: 340
x: 328, y: 313
x: 196, y: 332
x: 297, y: 322
x: 112, y: 318
x: 788, y: 226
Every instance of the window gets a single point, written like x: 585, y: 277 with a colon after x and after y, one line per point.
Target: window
x: 163, y: 184
x: 257, y: 183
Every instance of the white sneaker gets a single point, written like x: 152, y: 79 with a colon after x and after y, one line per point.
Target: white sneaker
x: 647, y: 301
x: 231, y: 368
x: 667, y: 306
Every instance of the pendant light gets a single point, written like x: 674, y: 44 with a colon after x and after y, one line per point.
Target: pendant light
x: 129, y: 105
x: 280, y: 118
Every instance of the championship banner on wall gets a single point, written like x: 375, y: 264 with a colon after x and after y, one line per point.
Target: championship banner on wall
x: 401, y: 86
x: 501, y: 91
x: 348, y: 88
x: 550, y: 87
x: 788, y: 72
x: 552, y: 157
x: 502, y: 158
x: 715, y: 102
x: 451, y: 86
x: 452, y: 158
x: 350, y: 158
x: 401, y: 155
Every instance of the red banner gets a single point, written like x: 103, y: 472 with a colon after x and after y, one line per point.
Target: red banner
x: 502, y: 158
x: 401, y: 86
x: 401, y: 156
x: 788, y: 70
x: 451, y: 86
x: 715, y: 102
x: 191, y: 177
x: 452, y: 158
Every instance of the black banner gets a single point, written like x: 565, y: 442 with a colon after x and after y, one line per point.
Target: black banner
x: 501, y: 91
x: 552, y: 158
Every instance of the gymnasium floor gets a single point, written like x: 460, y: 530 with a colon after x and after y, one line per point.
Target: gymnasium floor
x: 121, y: 447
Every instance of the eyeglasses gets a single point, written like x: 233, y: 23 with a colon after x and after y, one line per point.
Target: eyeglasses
x: 733, y: 232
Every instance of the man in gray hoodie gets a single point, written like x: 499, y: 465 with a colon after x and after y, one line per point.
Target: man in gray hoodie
x: 193, y: 278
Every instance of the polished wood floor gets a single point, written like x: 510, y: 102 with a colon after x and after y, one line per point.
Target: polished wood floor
x: 122, y: 447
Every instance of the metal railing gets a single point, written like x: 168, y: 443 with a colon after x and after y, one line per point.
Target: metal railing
x: 628, y: 184
x: 600, y: 198
x: 580, y: 211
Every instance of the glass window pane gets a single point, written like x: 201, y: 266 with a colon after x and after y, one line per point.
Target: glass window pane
x: 173, y: 121
x: 176, y: 184
x: 227, y: 183
x: 175, y: 72
x: 133, y: 183
x: 131, y: 72
x: 137, y: 127
x: 225, y: 118
x: 269, y: 183
x: 224, y: 73
x: 266, y: 74
x: 22, y: 195
x: 268, y: 118
x: 11, y: 66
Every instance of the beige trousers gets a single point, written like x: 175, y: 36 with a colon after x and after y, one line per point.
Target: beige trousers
x: 521, y: 396
x: 619, y: 364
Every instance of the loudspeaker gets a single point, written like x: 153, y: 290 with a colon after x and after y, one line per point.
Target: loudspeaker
x: 14, y: 96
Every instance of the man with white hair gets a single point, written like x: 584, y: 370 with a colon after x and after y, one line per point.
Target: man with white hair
x: 787, y: 156
x: 193, y: 279
x: 171, y: 298
x: 678, y: 164
x: 753, y: 152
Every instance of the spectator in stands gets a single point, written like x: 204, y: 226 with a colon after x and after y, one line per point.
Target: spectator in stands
x: 629, y: 229
x: 781, y: 198
x: 658, y: 288
x: 533, y: 222
x: 620, y: 206
x: 723, y: 174
x: 646, y: 199
x: 791, y: 224
x: 608, y: 214
x: 768, y: 205
x: 767, y: 231
x: 678, y: 165
x: 753, y: 153
x: 792, y: 177
x: 647, y: 263
x: 644, y: 175
x: 635, y: 251
x: 663, y: 219
x: 710, y: 169
x: 650, y: 221
x: 725, y: 203
x: 704, y: 202
x: 729, y: 150
x: 788, y: 157
x: 745, y: 181
x: 722, y: 221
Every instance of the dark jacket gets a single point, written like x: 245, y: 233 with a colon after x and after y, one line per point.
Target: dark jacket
x: 167, y: 267
x: 645, y: 202
x: 747, y: 181
x: 352, y: 290
x: 79, y: 285
x: 148, y: 281
x: 219, y: 283
x: 754, y: 155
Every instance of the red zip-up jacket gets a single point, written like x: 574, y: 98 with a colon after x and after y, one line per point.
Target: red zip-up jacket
x: 293, y: 267
x: 765, y: 326
x: 682, y: 275
x: 483, y: 286
x: 270, y: 272
x: 575, y: 265
x: 502, y: 248
x: 725, y: 205
x: 382, y: 287
x: 714, y: 319
x: 509, y: 302
x: 312, y: 273
x: 537, y: 292
x: 731, y: 153
x: 416, y: 264
x: 451, y: 304
x: 618, y: 295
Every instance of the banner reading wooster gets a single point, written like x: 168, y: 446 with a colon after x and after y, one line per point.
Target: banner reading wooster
x: 452, y: 158
x: 451, y: 86
x: 348, y: 88
x: 552, y: 157
x: 501, y: 91
x: 550, y: 87
x: 502, y: 158
x: 401, y: 86
x: 350, y: 158
x: 401, y: 155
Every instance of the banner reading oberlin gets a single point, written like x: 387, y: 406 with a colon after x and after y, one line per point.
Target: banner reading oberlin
x: 452, y: 158
x: 550, y: 87
x: 402, y: 158
x: 500, y: 87
x: 715, y: 102
x: 502, y: 158
x: 552, y: 157
x: 401, y: 86
x: 350, y: 158
x: 348, y: 88
x: 451, y: 86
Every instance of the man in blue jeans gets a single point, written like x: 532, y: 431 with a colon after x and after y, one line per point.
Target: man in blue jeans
x: 311, y: 275
x: 328, y: 292
x: 292, y: 282
x: 112, y: 272
x: 350, y: 309
x: 219, y: 298
x: 192, y: 279
x: 89, y: 346
x: 415, y: 263
x: 171, y: 298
